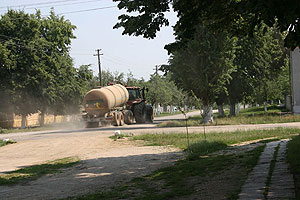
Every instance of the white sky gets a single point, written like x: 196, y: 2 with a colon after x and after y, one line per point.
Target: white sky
x: 94, y: 31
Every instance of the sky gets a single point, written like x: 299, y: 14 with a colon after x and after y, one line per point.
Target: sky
x: 94, y: 20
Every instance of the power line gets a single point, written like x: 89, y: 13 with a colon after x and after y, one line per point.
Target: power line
x: 87, y: 10
x: 79, y: 11
x: 40, y: 3
x: 57, y: 5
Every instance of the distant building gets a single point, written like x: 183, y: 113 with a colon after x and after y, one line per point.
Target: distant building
x: 295, y: 78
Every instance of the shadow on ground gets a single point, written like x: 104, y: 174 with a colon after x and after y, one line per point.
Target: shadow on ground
x: 90, y: 176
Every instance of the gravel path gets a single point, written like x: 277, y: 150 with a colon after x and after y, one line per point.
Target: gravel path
x: 282, y: 183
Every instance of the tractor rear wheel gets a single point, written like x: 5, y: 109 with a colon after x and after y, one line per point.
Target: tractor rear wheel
x: 139, y: 112
x: 150, y: 113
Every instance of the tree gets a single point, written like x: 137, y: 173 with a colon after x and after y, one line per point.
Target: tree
x: 204, y: 67
x: 56, y: 91
x: 36, y: 64
x: 236, y: 17
x: 259, y: 60
x: 163, y: 91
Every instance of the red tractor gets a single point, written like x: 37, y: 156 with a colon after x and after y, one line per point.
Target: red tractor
x: 142, y: 112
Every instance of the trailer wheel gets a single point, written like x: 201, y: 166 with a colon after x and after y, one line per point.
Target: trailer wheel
x: 128, y: 117
x: 116, y: 119
x: 139, y: 112
x: 121, y: 119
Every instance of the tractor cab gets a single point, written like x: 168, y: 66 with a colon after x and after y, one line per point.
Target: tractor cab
x: 136, y: 95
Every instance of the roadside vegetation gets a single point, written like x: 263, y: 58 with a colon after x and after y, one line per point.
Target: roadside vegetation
x: 6, y: 142
x: 293, y: 156
x: 28, y: 129
x: 255, y: 115
x: 36, y: 171
x: 205, y: 172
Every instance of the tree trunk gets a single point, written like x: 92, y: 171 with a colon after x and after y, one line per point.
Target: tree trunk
x: 221, y: 112
x: 207, y: 115
x: 54, y: 120
x: 238, y: 108
x: 42, y: 122
x: 23, y: 123
x: 265, y: 107
x: 232, y: 109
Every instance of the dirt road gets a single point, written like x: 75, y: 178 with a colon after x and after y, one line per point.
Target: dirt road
x: 105, y: 162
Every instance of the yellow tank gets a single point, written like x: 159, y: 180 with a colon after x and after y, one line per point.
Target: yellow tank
x: 100, y: 101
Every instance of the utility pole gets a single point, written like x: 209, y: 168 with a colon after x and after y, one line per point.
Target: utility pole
x: 99, y: 64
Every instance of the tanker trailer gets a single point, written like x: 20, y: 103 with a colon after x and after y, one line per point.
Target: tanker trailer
x: 106, y: 104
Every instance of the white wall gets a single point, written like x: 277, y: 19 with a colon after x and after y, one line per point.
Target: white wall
x: 295, y: 77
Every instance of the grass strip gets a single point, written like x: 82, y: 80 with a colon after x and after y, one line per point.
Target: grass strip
x: 225, y: 138
x: 293, y: 157
x: 36, y: 171
x: 29, y: 129
x: 237, y: 120
x: 255, y: 115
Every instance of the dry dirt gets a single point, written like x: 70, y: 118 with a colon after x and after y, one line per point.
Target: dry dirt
x: 105, y: 163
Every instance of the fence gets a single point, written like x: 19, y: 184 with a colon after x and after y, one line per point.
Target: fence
x: 10, y: 120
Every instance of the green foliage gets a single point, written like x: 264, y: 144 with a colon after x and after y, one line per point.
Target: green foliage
x: 37, y: 72
x: 163, y: 91
x: 204, y: 66
x: 260, y: 60
x: 237, y: 17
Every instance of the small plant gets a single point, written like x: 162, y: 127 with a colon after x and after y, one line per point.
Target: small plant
x: 120, y: 136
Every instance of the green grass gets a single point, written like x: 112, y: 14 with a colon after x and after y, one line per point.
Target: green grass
x: 3, y: 143
x: 36, y: 171
x: 293, y: 156
x: 254, y: 115
x: 259, y: 110
x: 121, y: 136
x: 228, y: 138
x: 168, y: 114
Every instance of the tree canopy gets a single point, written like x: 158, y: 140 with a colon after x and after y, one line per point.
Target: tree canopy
x: 234, y: 16
x: 36, y: 72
